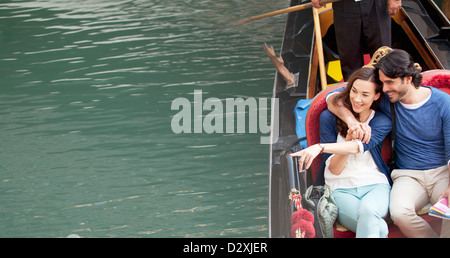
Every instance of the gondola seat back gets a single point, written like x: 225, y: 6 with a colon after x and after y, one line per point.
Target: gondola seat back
x: 312, y: 123
x: 437, y: 78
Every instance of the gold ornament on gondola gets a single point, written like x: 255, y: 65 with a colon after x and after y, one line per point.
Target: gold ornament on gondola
x: 380, y: 53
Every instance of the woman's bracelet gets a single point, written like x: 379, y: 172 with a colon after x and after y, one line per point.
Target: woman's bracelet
x: 323, y: 148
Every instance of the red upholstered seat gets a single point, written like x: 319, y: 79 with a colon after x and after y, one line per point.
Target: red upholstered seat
x: 312, y: 122
x: 435, y: 78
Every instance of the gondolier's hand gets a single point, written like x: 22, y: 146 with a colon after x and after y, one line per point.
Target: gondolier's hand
x: 360, y: 131
x: 394, y: 6
x: 307, y: 156
x: 316, y: 4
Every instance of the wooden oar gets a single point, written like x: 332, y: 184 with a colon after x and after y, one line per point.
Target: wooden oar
x: 286, y: 10
x: 318, y: 35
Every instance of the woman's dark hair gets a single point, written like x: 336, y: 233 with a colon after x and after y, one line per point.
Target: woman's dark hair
x: 399, y: 64
x: 365, y: 74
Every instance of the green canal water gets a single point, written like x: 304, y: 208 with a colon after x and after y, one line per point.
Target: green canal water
x: 86, y: 93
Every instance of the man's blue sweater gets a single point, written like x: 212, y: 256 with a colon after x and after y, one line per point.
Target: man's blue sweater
x: 423, y: 134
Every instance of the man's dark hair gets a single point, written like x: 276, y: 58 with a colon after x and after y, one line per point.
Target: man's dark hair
x: 399, y: 64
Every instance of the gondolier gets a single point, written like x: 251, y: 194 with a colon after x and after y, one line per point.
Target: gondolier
x: 362, y: 26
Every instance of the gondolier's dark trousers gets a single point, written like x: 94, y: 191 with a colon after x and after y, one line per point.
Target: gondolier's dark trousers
x: 361, y: 27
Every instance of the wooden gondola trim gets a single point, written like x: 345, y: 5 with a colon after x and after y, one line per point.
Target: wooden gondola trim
x: 318, y: 34
x: 431, y: 61
x: 326, y: 20
x: 314, y: 66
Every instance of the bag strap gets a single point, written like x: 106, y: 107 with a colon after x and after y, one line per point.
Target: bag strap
x: 315, y: 197
x: 392, y: 164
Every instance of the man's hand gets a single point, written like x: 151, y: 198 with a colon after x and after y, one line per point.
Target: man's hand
x: 394, y: 6
x: 316, y: 4
x: 445, y: 194
x: 360, y: 131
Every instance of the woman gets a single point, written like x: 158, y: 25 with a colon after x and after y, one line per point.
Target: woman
x: 356, y: 172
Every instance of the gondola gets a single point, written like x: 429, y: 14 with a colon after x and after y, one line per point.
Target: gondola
x: 420, y: 28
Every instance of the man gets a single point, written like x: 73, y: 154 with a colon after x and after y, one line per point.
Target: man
x: 361, y: 26
x: 422, y: 142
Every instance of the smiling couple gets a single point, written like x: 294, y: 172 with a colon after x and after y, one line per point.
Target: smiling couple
x: 352, y: 131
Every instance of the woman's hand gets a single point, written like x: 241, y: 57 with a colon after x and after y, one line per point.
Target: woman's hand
x: 359, y: 131
x: 307, y: 155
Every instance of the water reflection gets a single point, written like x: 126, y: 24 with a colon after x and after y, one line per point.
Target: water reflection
x: 87, y: 147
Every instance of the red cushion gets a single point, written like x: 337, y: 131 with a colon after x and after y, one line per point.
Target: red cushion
x: 394, y: 231
x: 312, y: 123
x: 437, y: 78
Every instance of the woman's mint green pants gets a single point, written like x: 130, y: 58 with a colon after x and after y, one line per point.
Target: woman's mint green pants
x: 362, y: 209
